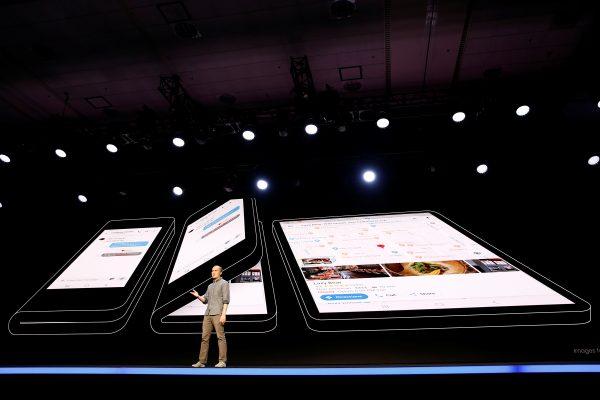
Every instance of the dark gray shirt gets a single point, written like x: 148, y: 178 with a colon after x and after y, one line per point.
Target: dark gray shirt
x: 216, y: 295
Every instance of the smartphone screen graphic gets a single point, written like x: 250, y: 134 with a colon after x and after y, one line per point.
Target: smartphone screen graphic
x: 209, y: 236
x: 98, y: 289
x: 109, y: 261
x: 226, y: 233
x: 405, y: 262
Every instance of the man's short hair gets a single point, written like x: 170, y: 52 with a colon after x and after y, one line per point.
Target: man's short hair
x: 220, y: 268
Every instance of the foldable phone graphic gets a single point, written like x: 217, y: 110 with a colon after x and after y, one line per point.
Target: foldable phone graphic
x: 96, y: 291
x: 225, y: 233
x: 413, y: 270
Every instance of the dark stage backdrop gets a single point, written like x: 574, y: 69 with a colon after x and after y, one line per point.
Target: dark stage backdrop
x: 543, y: 212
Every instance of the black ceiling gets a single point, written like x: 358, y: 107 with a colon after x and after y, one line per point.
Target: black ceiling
x: 78, y: 58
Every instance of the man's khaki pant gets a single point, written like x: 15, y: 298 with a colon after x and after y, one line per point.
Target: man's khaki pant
x: 208, y: 323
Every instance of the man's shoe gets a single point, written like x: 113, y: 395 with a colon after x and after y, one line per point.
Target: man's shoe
x: 198, y: 365
x: 220, y: 364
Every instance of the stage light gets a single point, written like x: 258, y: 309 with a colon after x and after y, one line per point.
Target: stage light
x: 177, y: 191
x: 311, y: 129
x: 369, y: 176
x: 179, y: 142
x: 383, y: 123
x: 60, y: 153
x: 593, y: 160
x: 522, y: 111
x: 248, y: 135
x: 341, y: 9
x: 458, y: 116
x: 82, y: 198
x: 598, y: 104
x: 112, y: 148
x: 4, y: 158
x: 0, y: 205
x: 482, y: 169
x: 262, y: 184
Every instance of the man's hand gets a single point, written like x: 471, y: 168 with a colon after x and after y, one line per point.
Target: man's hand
x: 195, y: 294
x: 222, y: 319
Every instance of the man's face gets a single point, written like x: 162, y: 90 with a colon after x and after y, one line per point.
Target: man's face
x: 216, y: 272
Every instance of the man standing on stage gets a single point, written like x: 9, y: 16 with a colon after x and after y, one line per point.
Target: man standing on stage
x: 217, y: 300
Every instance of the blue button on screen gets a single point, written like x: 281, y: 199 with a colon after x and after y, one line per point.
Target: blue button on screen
x: 129, y: 244
x: 344, y: 296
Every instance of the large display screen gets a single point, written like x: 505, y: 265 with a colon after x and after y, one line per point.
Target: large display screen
x: 246, y: 292
x: 109, y: 261
x: 399, y: 262
x: 209, y: 236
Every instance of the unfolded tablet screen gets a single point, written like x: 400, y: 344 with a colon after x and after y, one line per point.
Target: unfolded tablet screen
x: 404, y: 262
x: 246, y: 293
x: 109, y: 261
x: 210, y: 235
